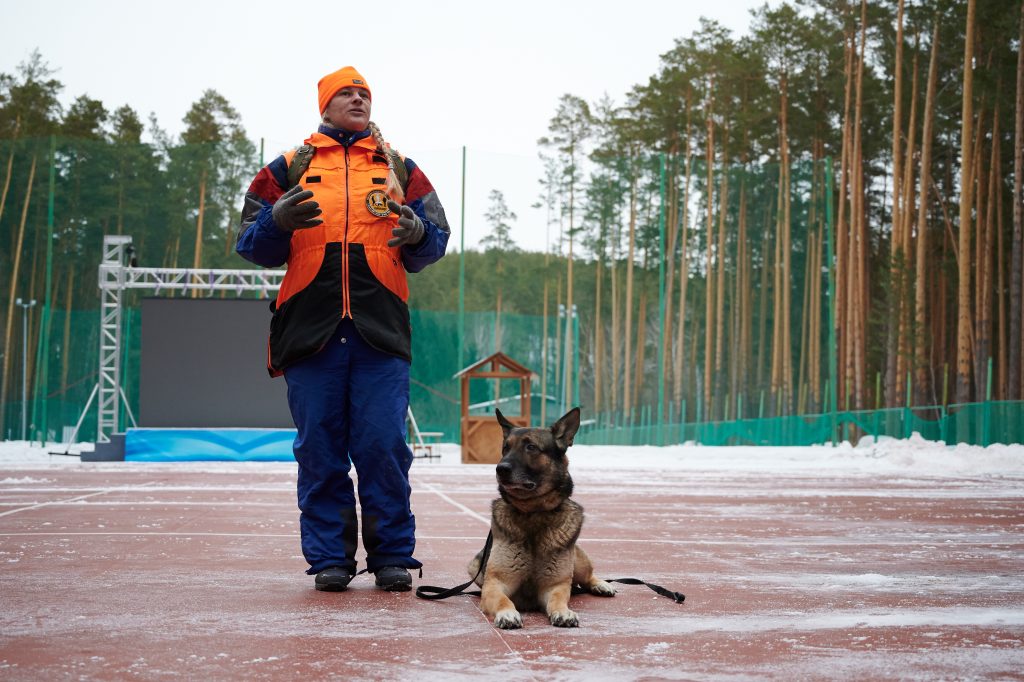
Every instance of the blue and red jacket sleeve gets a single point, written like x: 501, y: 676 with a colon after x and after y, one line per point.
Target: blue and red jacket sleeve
x: 422, y: 199
x: 260, y: 241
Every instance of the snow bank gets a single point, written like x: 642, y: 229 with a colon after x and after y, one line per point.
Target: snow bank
x: 912, y: 456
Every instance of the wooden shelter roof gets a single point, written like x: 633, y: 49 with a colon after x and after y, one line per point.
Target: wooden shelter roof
x: 515, y: 369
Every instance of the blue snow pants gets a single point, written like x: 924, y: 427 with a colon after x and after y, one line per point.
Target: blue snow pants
x: 349, y: 403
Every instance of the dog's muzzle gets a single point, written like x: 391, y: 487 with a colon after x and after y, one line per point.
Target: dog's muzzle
x: 507, y: 479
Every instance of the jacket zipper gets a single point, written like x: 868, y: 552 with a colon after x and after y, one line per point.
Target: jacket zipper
x: 346, y: 307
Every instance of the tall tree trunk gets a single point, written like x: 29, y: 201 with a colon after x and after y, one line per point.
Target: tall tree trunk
x: 775, y: 393
x: 814, y: 368
x: 13, y: 291
x: 673, y: 228
x: 985, y: 257
x: 641, y: 345
x: 559, y: 348
x: 741, y: 299
x: 569, y: 300
x: 10, y: 167
x: 36, y: 284
x: 904, y: 341
x: 805, y: 325
x: 684, y: 271
x: 1002, y: 335
x: 857, y: 312
x: 176, y: 251
x: 544, y: 361
x: 787, y: 255
x: 723, y: 209
x: 709, y: 310
x: 980, y: 189
x: 66, y: 344
x: 5, y: 376
x: 896, y: 243
x: 598, y: 337
x: 782, y: 371
x: 692, y: 368
x: 627, y: 386
x: 810, y: 358
x: 767, y: 244
x: 197, y: 257
x: 923, y: 360
x: 613, y: 405
x: 845, y: 376
x: 497, y: 318
x: 963, y: 328
x: 1017, y: 248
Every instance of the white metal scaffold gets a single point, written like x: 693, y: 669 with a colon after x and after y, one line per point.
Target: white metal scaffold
x: 116, y: 275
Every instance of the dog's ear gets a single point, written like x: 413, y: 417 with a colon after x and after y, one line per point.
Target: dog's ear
x: 506, y: 425
x: 565, y: 428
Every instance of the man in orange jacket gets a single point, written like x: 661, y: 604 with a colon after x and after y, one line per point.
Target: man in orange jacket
x: 349, y: 230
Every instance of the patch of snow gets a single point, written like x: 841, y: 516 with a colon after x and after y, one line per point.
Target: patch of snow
x: 911, y: 456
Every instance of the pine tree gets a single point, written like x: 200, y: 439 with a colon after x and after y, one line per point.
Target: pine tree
x: 964, y: 310
x: 570, y: 129
x: 499, y: 242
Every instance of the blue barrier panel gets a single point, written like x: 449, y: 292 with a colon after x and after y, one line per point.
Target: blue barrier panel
x: 214, y: 445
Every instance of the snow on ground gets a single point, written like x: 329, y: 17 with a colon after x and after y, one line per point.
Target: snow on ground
x: 914, y: 456
x: 880, y: 560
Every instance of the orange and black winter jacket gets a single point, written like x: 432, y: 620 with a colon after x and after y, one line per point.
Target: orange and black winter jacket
x: 343, y: 267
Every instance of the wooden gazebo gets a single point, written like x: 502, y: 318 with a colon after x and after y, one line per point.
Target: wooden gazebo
x: 481, y: 434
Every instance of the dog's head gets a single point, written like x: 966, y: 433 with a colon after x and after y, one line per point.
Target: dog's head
x: 533, y: 463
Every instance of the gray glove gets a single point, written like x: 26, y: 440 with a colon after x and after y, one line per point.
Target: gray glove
x: 292, y: 212
x: 410, y: 228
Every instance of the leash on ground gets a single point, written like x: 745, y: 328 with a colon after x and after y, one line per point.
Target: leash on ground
x: 431, y: 592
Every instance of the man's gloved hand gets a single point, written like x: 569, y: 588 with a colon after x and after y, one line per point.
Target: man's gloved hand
x: 410, y: 228
x: 292, y: 212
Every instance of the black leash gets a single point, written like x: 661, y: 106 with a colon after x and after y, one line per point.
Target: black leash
x: 431, y: 592
x: 677, y: 597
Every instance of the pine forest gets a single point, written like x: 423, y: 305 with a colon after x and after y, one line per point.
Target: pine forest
x: 827, y: 207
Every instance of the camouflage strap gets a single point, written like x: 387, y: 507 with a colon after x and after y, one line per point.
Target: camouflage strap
x: 398, y: 166
x: 299, y: 164
x: 304, y: 156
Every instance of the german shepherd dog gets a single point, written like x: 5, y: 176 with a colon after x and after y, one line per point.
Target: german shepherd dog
x: 534, y: 560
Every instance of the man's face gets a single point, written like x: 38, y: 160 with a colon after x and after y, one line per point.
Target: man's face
x: 349, y: 109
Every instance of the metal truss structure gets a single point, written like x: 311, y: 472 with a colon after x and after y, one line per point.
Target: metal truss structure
x: 118, y: 274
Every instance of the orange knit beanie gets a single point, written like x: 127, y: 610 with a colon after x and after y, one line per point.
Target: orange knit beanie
x: 329, y: 85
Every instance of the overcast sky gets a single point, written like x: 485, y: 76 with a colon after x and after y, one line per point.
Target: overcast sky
x: 444, y: 74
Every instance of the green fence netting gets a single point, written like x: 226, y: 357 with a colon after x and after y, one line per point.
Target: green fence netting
x: 748, y: 358
x: 435, y: 392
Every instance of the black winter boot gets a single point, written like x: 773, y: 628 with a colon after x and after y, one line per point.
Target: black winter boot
x: 333, y: 579
x: 393, y: 579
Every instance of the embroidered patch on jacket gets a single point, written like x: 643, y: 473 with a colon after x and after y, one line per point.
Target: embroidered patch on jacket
x: 377, y: 203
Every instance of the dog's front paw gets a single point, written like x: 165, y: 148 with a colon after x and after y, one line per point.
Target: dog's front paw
x: 508, y: 620
x: 602, y: 589
x: 564, y: 619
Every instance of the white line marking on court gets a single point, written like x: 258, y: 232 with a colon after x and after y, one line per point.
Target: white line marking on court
x: 163, y: 503
x: 150, y: 533
x: 47, y: 504
x: 459, y: 505
x: 154, y: 488
x: 49, y: 533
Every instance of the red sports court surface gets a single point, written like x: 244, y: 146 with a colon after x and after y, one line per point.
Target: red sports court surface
x: 192, y: 571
